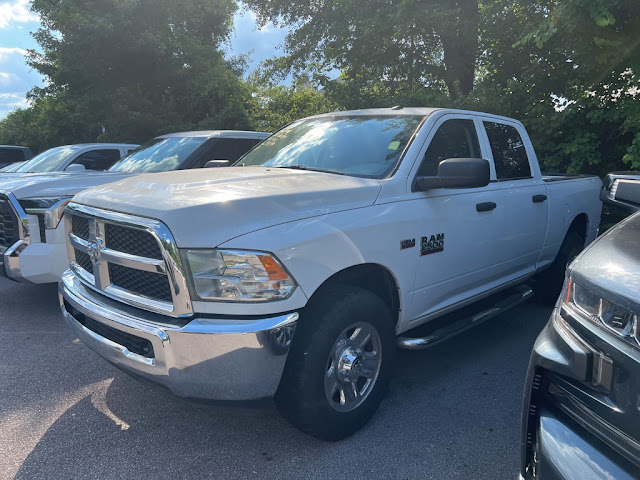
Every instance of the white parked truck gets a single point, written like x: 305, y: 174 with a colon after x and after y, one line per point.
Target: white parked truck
x: 75, y: 158
x: 32, y: 239
x: 297, y: 272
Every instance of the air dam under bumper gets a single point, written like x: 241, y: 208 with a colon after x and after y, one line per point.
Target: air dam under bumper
x: 220, y: 359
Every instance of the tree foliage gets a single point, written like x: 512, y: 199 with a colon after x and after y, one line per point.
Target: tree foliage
x: 569, y: 69
x: 403, y: 45
x: 130, y: 69
x: 274, y: 106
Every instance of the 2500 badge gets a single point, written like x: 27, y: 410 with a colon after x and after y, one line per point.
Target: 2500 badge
x: 432, y: 244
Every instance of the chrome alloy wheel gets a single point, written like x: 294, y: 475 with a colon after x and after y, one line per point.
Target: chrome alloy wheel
x: 353, y: 366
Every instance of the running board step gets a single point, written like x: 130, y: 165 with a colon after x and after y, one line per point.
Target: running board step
x: 489, y: 308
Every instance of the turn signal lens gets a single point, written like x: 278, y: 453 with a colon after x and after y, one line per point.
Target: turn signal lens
x: 274, y: 270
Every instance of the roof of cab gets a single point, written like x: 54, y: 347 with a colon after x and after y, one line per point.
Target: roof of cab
x: 98, y: 145
x: 218, y: 133
x: 410, y: 111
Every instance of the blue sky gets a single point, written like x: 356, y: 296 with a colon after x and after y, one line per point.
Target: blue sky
x: 17, y: 21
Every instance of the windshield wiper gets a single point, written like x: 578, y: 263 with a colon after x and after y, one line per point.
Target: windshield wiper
x: 299, y: 166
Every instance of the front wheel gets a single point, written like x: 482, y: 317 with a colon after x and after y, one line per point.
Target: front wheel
x: 339, y: 363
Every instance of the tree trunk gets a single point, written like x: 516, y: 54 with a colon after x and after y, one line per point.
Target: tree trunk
x: 460, y: 43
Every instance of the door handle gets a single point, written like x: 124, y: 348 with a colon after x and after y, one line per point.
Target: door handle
x: 485, y: 206
x: 538, y: 198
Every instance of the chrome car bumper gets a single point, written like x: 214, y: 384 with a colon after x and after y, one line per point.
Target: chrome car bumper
x: 34, y: 263
x: 9, y: 261
x: 221, y: 359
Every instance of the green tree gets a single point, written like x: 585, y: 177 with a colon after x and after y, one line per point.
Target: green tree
x: 131, y: 69
x: 568, y: 69
x: 403, y: 46
x: 274, y: 106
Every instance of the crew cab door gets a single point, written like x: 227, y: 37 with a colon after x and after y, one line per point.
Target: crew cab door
x: 520, y: 192
x: 478, y: 237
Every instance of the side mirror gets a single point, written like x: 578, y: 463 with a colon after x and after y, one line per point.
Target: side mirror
x: 457, y: 173
x: 217, y: 163
x: 75, y: 168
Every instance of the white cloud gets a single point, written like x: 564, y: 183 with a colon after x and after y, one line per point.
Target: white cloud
x: 8, y: 78
x: 11, y: 101
x: 7, y: 51
x: 18, y: 11
x: 15, y: 97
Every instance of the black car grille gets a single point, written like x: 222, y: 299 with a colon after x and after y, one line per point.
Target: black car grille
x: 84, y: 261
x: 80, y: 227
x: 9, y: 232
x: 132, y: 241
x: 147, y: 284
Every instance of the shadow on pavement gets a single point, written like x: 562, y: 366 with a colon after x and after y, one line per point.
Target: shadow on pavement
x: 452, y: 412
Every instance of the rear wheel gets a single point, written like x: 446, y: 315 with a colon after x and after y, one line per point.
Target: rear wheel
x: 548, y: 283
x: 339, y: 363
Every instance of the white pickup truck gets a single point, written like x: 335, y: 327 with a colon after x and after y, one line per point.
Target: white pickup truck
x: 32, y: 239
x: 297, y: 272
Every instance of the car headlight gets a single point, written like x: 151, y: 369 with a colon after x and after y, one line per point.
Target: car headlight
x: 602, y: 311
x: 49, y: 210
x: 238, y: 276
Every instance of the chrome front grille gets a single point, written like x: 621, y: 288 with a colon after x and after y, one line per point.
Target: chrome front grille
x: 14, y: 225
x: 131, y: 259
x: 9, y: 233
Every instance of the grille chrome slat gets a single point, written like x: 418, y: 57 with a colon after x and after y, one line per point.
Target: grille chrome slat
x: 121, y: 250
x: 78, y: 243
x: 134, y: 262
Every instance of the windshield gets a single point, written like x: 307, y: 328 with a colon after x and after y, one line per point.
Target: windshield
x: 49, y: 160
x: 11, y: 168
x: 159, y: 155
x: 361, y: 146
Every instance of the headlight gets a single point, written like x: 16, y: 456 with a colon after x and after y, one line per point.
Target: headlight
x: 602, y: 311
x: 238, y: 276
x: 49, y: 210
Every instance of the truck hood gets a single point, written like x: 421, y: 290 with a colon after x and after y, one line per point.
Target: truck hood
x: 611, y: 264
x: 39, y: 185
x: 204, y: 208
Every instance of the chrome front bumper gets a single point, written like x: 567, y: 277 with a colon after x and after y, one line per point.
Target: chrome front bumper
x: 221, y: 359
x: 9, y: 261
x: 34, y: 263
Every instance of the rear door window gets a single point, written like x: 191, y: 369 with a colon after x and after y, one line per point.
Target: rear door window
x: 509, y: 152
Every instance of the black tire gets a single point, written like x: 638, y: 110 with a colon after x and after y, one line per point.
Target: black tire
x: 323, y: 336
x: 548, y: 283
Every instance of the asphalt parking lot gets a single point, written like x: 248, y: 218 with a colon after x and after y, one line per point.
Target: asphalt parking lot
x: 452, y: 411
